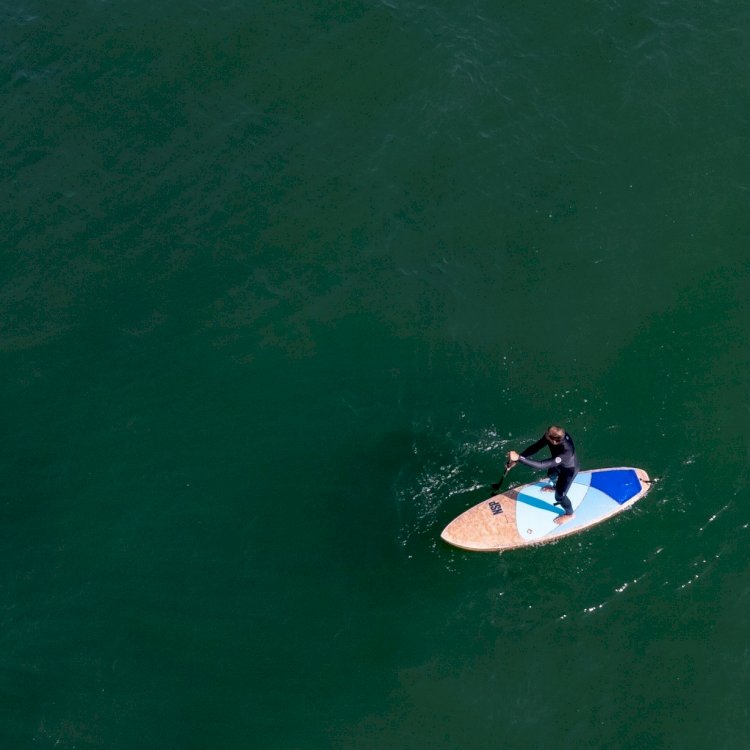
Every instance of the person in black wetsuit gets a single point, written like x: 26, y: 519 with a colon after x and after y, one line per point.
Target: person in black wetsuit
x: 561, y: 467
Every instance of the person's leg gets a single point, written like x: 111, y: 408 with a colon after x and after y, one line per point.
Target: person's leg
x: 552, y: 476
x: 564, y: 480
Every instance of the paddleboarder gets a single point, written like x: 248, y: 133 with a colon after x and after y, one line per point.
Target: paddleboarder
x: 561, y: 467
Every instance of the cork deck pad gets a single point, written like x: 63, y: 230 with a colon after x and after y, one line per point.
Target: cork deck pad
x: 526, y: 515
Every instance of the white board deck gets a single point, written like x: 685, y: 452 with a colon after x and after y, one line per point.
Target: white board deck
x: 526, y: 515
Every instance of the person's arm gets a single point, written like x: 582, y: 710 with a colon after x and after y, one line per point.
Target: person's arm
x: 548, y: 464
x: 534, y: 448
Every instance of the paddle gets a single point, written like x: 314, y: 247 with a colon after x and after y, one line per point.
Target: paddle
x: 508, y: 466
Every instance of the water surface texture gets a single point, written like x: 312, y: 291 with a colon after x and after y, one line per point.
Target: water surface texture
x: 281, y: 282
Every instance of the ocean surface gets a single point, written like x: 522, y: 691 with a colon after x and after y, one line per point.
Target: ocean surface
x: 280, y: 285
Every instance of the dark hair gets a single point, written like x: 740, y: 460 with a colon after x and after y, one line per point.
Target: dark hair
x: 555, y: 431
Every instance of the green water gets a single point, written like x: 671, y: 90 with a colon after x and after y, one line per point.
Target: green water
x: 282, y: 283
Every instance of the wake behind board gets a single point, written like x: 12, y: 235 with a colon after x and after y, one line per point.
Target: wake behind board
x: 526, y: 515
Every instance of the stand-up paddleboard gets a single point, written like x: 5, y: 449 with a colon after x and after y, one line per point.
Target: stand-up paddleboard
x: 526, y: 515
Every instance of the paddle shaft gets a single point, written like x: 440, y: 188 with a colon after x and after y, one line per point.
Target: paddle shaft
x: 508, y: 466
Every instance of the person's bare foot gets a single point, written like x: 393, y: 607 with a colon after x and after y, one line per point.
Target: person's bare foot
x: 564, y: 518
x: 548, y: 489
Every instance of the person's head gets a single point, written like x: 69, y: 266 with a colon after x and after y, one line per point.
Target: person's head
x: 555, y: 434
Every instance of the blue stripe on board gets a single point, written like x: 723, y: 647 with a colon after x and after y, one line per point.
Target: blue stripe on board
x: 537, y: 502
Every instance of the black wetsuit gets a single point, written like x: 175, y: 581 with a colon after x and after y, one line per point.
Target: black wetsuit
x: 561, y: 468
